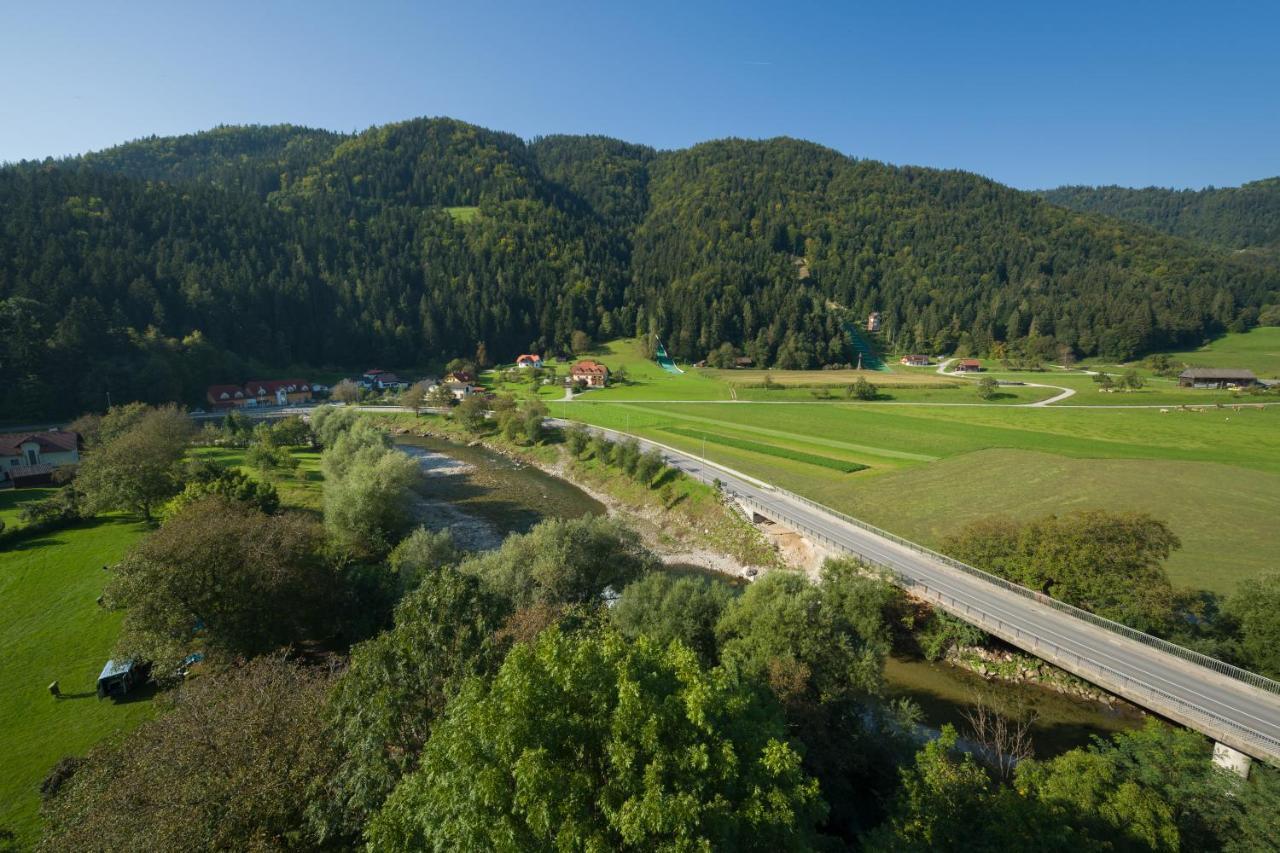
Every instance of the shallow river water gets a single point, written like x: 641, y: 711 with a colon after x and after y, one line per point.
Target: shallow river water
x: 483, y: 496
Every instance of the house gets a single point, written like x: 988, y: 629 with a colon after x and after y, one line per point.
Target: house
x: 228, y: 397
x: 381, y: 380
x: 593, y: 373
x: 30, y: 458
x: 915, y: 360
x: 463, y: 376
x: 967, y: 365
x: 278, y: 392
x: 391, y: 382
x: 529, y: 360
x: 460, y: 390
x: 873, y: 321
x: 1216, y: 377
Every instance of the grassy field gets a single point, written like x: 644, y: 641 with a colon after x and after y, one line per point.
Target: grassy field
x: 299, y: 489
x: 1214, y: 475
x: 463, y: 214
x: 1257, y: 350
x: 53, y: 629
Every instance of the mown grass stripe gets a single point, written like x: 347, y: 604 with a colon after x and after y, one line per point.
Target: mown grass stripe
x: 770, y: 450
x: 772, y: 433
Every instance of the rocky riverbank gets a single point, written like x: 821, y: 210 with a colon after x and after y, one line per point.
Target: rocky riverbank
x: 1016, y: 668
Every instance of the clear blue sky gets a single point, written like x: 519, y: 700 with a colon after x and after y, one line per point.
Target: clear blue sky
x: 1032, y: 93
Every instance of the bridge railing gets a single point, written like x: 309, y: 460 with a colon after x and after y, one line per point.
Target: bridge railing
x: 1234, y: 672
x: 1186, y: 654
x: 1124, y: 683
x: 1137, y: 689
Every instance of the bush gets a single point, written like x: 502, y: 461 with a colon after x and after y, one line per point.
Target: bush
x: 65, y: 506
x: 863, y: 390
x: 265, y: 457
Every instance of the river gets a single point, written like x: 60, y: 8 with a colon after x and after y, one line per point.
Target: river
x: 482, y: 496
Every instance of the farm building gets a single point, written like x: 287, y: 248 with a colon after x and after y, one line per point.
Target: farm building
x: 593, y: 373
x: 1216, y: 377
x: 30, y: 458
x: 915, y: 360
x: 967, y: 365
x: 529, y: 360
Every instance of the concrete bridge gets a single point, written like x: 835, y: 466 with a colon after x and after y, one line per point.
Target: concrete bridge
x: 1238, y: 709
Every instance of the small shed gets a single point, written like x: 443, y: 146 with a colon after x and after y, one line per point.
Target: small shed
x: 119, y: 677
x: 968, y: 365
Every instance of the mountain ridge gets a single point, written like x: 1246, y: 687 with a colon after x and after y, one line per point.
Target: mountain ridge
x: 161, y: 265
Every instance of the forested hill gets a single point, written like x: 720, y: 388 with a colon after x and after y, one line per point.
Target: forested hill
x: 1246, y: 217
x: 157, y: 267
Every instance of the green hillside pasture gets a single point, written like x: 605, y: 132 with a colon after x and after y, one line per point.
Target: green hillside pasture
x: 841, y: 465
x: 53, y: 629
x: 1257, y: 350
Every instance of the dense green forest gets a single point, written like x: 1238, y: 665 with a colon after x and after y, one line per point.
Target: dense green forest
x: 1245, y: 217
x: 152, y: 269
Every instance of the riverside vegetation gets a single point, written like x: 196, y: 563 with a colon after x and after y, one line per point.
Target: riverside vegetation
x: 398, y: 676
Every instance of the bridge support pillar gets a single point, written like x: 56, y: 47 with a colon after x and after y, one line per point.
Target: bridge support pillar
x: 1232, y: 760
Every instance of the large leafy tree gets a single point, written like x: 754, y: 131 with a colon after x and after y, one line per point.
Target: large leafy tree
x: 598, y: 743
x: 667, y: 607
x: 384, y: 705
x: 563, y: 561
x: 137, y: 463
x: 1107, y: 562
x: 244, y: 581
x: 1256, y: 608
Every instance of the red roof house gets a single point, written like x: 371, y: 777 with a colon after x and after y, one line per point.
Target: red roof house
x: 595, y: 374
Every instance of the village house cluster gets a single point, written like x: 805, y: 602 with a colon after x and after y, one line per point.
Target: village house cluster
x: 263, y: 392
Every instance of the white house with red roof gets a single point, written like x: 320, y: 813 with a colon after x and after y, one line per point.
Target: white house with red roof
x: 30, y: 458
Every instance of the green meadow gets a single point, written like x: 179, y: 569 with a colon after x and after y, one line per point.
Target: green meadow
x: 1212, y: 473
x: 54, y: 630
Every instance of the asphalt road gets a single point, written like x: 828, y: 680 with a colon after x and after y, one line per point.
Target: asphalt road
x: 1237, y: 714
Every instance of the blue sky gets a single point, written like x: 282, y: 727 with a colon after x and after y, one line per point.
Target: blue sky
x: 1033, y: 94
